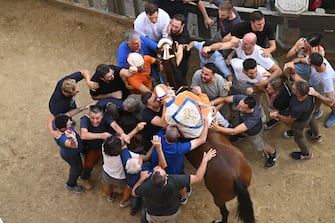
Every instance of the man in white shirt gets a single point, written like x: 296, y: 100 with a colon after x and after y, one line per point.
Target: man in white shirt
x: 247, y: 48
x: 152, y: 23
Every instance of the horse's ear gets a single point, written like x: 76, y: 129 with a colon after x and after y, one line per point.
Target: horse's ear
x: 164, y: 41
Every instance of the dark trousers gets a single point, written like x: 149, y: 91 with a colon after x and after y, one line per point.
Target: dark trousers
x: 76, y: 167
x: 299, y: 135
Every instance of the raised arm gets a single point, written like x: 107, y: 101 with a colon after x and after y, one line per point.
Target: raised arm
x: 91, y: 84
x: 203, y: 136
x: 203, y: 166
x: 156, y: 142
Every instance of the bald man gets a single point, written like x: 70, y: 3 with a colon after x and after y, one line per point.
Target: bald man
x: 247, y: 48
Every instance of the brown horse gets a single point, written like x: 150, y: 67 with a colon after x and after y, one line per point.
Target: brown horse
x: 228, y: 175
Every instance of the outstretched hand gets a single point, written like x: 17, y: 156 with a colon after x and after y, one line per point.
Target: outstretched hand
x: 209, y: 155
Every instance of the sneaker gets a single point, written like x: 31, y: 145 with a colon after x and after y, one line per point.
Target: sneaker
x: 271, y: 160
x: 288, y: 134
x: 301, y: 156
x: 111, y: 198
x: 318, y: 114
x: 76, y: 189
x: 317, y: 138
x: 188, y: 190
x: 124, y: 204
x: 271, y: 123
x: 184, y: 200
x: 330, y: 120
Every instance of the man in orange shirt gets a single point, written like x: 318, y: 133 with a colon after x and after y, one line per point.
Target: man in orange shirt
x: 138, y: 79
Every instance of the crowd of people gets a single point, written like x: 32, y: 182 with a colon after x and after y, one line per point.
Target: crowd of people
x: 140, y: 127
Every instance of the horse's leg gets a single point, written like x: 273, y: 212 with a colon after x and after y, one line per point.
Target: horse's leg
x: 224, y: 212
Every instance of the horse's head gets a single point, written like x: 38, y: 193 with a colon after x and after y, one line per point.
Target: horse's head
x: 165, y: 49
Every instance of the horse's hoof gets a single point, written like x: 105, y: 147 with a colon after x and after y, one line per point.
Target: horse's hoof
x: 216, y: 221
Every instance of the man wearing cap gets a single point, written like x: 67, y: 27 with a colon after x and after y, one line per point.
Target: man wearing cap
x: 138, y: 78
x: 184, y: 110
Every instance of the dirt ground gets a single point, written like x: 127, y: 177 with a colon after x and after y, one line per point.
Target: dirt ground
x: 41, y: 42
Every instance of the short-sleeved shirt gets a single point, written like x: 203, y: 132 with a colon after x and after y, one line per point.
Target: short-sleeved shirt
x: 67, y: 151
x: 149, y: 129
x: 241, y: 80
x: 323, y: 82
x: 265, y: 62
x: 131, y: 178
x: 148, y: 47
x: 154, y: 31
x: 103, y: 102
x: 143, y: 77
x: 245, y: 27
x: 183, y: 38
x: 163, y: 201
x: 104, y: 126
x: 212, y: 90
x: 282, y: 101
x: 113, y: 86
x: 301, y: 110
x: 112, y: 166
x: 58, y: 102
x: 174, y: 154
x: 226, y: 26
x: 251, y: 120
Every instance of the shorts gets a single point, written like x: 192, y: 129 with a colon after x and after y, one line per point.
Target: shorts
x: 257, y: 141
x: 118, y: 183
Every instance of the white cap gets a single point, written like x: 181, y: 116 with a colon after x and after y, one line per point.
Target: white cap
x: 135, y: 59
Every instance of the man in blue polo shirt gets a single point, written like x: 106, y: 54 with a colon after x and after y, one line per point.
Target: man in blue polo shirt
x: 62, y: 100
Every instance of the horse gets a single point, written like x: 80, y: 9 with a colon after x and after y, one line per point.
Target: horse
x: 228, y: 174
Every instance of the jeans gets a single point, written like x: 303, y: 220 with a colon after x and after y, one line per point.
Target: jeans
x: 76, y: 167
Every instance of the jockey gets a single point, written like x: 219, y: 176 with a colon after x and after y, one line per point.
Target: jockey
x: 185, y: 110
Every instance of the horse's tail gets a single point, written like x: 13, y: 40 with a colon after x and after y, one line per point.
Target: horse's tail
x: 245, y: 211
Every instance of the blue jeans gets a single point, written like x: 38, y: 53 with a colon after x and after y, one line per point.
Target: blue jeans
x: 76, y: 166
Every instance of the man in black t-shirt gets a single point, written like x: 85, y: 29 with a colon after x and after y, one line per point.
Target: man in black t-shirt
x: 110, y: 83
x: 264, y: 32
x: 178, y: 32
x: 152, y: 115
x: 251, y: 124
x: 161, y: 191
x: 301, y: 114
